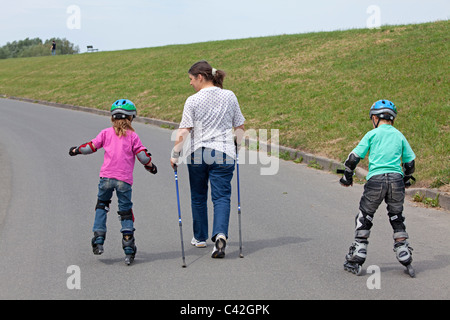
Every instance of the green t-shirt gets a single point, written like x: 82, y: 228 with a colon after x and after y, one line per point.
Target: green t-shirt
x: 388, y: 149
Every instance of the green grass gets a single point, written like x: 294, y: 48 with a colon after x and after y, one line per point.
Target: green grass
x: 419, y: 197
x: 317, y: 88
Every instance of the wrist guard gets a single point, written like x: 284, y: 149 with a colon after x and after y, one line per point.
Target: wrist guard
x: 347, y: 178
x: 73, y: 151
x: 152, y: 169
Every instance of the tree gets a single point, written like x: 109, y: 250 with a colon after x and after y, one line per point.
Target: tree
x: 36, y: 48
x: 63, y: 46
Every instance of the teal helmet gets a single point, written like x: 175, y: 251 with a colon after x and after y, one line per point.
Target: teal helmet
x: 384, y: 109
x: 122, y: 108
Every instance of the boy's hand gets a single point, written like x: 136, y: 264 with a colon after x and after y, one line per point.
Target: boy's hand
x: 152, y: 169
x: 406, y: 180
x: 347, y: 179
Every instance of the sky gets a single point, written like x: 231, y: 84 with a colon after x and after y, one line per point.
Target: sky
x: 118, y: 25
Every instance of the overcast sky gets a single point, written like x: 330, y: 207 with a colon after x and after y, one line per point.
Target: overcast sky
x: 116, y: 25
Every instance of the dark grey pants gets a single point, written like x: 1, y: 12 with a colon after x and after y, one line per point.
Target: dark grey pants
x: 390, y: 188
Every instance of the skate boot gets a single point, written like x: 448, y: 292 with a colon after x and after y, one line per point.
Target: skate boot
x: 97, y: 242
x: 404, y: 255
x: 356, y: 256
x: 129, y: 247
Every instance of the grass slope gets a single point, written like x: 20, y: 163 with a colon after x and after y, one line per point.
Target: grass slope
x: 316, y: 88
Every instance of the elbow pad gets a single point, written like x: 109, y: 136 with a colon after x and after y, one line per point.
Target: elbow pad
x: 352, y: 161
x: 409, y: 168
x: 87, y: 148
x: 144, y: 157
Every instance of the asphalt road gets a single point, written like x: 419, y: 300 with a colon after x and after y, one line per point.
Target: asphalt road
x: 297, y: 227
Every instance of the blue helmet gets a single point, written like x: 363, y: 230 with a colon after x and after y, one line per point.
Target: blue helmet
x: 384, y: 109
x: 123, y: 107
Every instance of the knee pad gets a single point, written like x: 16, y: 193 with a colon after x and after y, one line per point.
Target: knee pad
x: 363, y: 224
x: 126, y: 215
x: 397, y: 222
x: 101, y: 204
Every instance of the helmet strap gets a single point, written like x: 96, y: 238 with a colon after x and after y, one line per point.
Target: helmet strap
x: 381, y: 116
x: 378, y: 122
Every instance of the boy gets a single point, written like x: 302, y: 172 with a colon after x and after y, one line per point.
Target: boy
x: 386, y: 180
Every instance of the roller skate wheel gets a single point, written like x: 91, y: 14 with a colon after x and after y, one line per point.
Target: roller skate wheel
x: 358, y: 271
x: 353, y: 268
x: 128, y: 260
x: 98, y: 249
x: 410, y: 270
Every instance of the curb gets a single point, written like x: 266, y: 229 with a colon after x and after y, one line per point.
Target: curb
x: 332, y: 165
x: 444, y: 200
x: 156, y: 122
x: 325, y: 163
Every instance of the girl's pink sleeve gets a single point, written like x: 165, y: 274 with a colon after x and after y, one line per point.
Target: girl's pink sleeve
x: 98, y: 140
x: 137, y: 144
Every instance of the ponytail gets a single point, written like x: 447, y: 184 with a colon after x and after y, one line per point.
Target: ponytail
x: 208, y: 72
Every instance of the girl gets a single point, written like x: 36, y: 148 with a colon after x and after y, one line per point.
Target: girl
x: 121, y: 145
x: 210, y: 116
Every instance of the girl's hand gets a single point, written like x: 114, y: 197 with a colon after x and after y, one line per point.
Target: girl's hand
x: 152, y: 169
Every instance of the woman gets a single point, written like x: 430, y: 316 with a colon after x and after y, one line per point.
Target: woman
x: 210, y: 116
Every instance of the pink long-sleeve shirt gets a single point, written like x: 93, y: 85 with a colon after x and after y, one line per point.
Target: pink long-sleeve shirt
x: 120, y: 154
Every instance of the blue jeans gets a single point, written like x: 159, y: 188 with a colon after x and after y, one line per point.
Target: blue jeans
x: 217, y: 168
x: 390, y: 188
x: 105, y: 193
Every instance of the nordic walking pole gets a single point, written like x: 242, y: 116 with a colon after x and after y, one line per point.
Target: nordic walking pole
x: 179, y: 215
x: 239, y: 202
